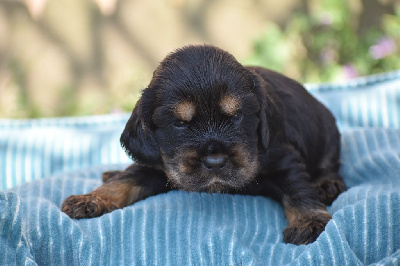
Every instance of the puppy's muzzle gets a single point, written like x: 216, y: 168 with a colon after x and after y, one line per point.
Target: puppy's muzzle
x: 215, y: 162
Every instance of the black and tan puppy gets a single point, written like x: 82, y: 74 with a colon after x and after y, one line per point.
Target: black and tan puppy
x: 207, y: 123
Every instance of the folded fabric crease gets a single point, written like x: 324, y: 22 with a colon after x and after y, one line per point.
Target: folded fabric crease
x: 42, y: 161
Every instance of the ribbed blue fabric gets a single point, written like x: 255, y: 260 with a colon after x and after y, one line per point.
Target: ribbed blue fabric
x: 53, y: 158
x: 37, y: 148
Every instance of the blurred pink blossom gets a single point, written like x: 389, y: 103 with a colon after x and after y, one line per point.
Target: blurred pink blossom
x: 328, y: 55
x: 382, y: 48
x: 116, y: 110
x: 35, y: 7
x: 107, y: 7
x: 350, y: 71
x: 326, y: 19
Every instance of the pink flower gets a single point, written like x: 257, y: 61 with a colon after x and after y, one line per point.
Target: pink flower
x: 326, y: 19
x: 382, y: 48
x: 350, y: 71
x: 116, y: 110
x: 328, y: 55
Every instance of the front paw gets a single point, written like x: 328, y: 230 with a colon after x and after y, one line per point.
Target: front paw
x: 329, y: 190
x: 306, y: 230
x: 86, y: 206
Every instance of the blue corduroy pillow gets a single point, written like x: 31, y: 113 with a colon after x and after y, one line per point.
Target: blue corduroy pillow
x: 49, y: 159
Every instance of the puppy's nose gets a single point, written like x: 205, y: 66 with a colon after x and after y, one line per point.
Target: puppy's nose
x: 215, y: 162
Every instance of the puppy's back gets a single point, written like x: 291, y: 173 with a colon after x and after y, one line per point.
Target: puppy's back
x: 309, y: 125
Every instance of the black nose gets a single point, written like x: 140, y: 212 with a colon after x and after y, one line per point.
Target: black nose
x: 215, y: 162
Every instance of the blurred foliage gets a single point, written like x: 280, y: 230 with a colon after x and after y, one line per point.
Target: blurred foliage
x: 327, y: 43
x: 85, y: 57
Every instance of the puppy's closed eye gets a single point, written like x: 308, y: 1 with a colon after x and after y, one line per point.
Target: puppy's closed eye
x: 180, y: 124
x: 237, y: 117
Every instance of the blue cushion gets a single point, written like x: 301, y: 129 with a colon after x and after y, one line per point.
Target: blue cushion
x: 43, y: 161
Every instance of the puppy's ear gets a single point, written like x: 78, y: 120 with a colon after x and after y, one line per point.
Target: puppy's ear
x: 138, y: 139
x: 271, y: 111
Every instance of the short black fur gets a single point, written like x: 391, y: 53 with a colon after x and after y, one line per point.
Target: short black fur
x: 207, y: 123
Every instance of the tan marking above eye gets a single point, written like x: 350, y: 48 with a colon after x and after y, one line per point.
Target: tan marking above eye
x: 230, y: 104
x: 185, y: 111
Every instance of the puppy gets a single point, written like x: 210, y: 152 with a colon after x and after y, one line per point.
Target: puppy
x: 207, y: 123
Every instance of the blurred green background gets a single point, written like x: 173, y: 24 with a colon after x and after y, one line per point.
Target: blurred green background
x: 84, y: 57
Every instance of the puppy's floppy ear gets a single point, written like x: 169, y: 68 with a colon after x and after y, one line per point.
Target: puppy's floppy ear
x: 138, y: 139
x: 271, y: 111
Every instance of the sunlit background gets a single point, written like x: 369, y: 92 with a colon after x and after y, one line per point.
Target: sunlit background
x: 85, y: 57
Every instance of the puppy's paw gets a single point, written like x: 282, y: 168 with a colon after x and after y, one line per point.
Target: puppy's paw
x: 329, y: 190
x: 306, y: 230
x: 86, y: 206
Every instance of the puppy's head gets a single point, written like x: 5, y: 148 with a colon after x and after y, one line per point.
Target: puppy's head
x: 199, y: 120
